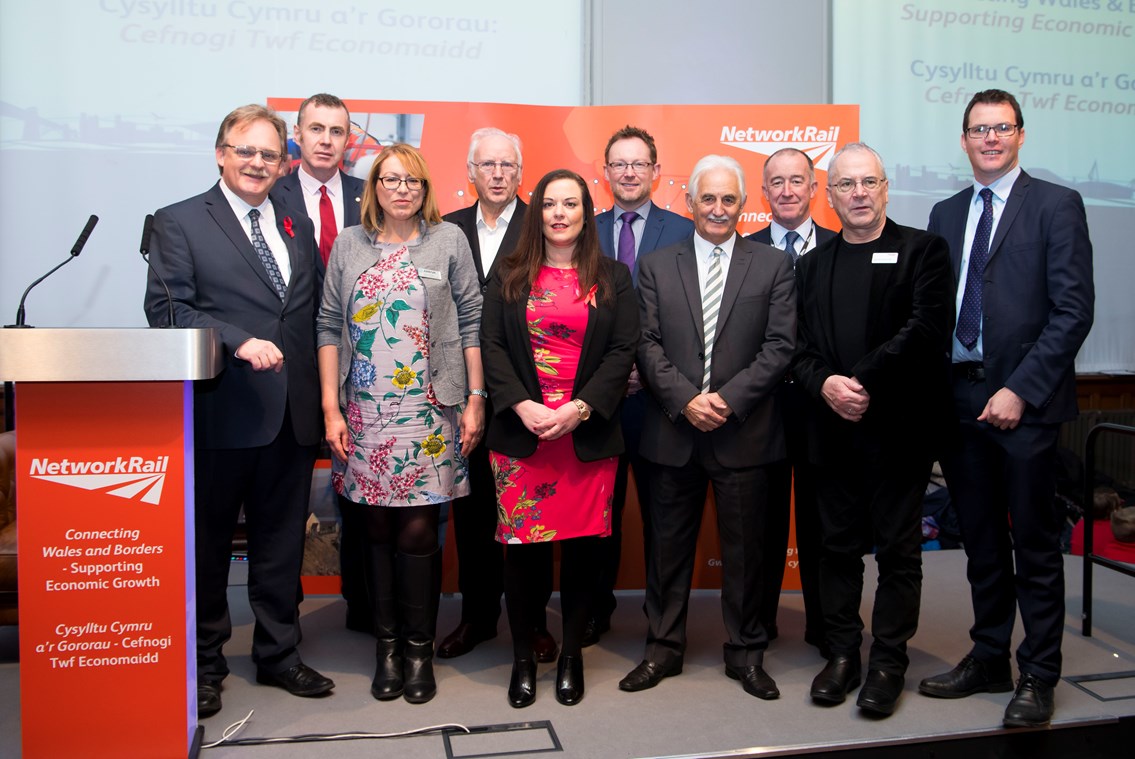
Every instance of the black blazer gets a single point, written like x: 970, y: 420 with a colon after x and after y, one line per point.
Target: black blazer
x: 1038, y: 297
x: 289, y: 192
x: 217, y: 280
x: 907, y: 330
x: 601, y: 380
x: 466, y: 218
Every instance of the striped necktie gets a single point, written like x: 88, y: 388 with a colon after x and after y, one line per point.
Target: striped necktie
x: 710, y: 307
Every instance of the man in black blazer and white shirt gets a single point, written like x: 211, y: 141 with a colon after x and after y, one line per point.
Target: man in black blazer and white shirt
x: 237, y: 261
x: 319, y: 190
x: 789, y: 185
x: 718, y: 317
x: 492, y: 226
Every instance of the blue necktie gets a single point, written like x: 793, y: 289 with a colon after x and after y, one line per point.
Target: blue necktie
x: 790, y: 241
x: 626, y: 240
x: 969, y: 317
x: 266, y: 257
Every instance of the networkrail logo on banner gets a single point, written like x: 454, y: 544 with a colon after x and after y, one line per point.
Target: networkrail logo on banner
x: 135, y: 478
x: 817, y: 142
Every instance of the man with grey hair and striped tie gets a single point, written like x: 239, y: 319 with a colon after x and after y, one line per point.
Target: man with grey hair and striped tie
x: 718, y: 317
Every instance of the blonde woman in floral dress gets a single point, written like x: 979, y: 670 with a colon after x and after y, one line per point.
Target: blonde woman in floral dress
x: 559, y: 333
x: 400, y: 373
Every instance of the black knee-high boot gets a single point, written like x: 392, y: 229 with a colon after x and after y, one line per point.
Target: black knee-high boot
x: 387, y: 683
x: 419, y: 591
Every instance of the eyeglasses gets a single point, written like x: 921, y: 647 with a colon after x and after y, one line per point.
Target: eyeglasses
x: 392, y: 183
x: 1001, y: 130
x: 247, y: 153
x: 488, y: 167
x: 870, y: 184
x: 797, y: 183
x: 639, y: 167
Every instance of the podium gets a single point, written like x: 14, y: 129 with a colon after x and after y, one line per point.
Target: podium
x: 104, y: 457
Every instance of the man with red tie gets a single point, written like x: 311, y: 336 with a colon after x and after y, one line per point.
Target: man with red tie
x: 320, y: 190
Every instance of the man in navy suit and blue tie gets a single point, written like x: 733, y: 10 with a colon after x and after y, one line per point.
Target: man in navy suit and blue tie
x: 1022, y: 263
x: 239, y: 262
x: 632, y: 229
x: 789, y: 185
x: 321, y: 191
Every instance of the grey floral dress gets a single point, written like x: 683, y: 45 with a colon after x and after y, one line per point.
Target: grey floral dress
x: 403, y: 448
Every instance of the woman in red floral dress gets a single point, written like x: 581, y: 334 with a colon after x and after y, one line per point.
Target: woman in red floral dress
x: 558, y: 337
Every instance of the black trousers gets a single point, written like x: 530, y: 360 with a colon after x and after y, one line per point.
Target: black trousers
x: 677, y: 500
x: 793, y: 475
x: 525, y: 566
x: 1003, y: 485
x: 863, y: 503
x: 273, y: 484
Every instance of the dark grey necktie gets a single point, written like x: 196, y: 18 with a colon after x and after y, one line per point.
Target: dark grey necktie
x: 266, y: 257
x: 790, y: 241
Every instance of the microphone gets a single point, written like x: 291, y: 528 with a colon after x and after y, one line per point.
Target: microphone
x: 144, y: 249
x: 76, y: 249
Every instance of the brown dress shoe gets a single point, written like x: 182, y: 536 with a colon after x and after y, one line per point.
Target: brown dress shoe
x: 462, y: 640
x: 544, y: 646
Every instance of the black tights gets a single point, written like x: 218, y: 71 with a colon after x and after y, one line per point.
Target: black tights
x: 525, y: 564
x: 409, y: 530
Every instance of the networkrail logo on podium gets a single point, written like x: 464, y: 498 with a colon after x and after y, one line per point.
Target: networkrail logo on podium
x: 134, y: 478
x: 818, y: 142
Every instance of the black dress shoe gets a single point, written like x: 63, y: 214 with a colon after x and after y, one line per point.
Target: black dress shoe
x: 522, y: 684
x: 300, y: 680
x: 569, y: 680
x: 208, y: 699
x: 544, y: 646
x: 969, y: 677
x: 594, y: 630
x: 1032, y: 705
x: 648, y: 674
x: 754, y: 680
x: 462, y: 640
x: 880, y: 692
x: 840, y: 675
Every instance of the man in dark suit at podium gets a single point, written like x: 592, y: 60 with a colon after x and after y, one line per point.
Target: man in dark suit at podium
x: 492, y: 226
x: 632, y: 229
x: 236, y: 261
x: 321, y: 191
x: 789, y: 185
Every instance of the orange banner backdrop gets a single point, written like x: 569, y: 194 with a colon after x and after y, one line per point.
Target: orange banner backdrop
x: 106, y: 602
x: 575, y: 137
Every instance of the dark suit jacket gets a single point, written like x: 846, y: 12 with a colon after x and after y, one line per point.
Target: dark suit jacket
x: 756, y: 336
x: 907, y: 329
x: 663, y: 228
x: 1038, y: 297
x: 217, y: 280
x: 601, y: 378
x: 823, y: 234
x: 466, y: 218
x: 289, y: 192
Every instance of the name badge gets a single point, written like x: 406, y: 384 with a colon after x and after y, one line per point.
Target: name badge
x: 885, y: 258
x: 431, y: 274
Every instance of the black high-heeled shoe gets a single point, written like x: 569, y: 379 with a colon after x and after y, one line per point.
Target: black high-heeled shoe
x: 569, y: 680
x: 522, y: 684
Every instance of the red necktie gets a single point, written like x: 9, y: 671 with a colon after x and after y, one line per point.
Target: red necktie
x: 327, y: 229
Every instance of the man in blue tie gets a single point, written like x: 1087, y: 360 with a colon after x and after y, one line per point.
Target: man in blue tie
x: 788, y: 184
x: 632, y: 229
x: 1024, y: 302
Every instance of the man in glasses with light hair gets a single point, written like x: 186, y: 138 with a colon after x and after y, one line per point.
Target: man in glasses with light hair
x: 241, y: 263
x: 492, y: 226
x: 874, y: 310
x: 1024, y: 302
x: 633, y: 228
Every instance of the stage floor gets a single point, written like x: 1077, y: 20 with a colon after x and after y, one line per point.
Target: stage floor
x: 699, y: 713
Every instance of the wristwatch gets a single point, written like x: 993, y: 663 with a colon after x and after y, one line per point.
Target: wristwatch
x: 581, y: 407
x: 478, y: 391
